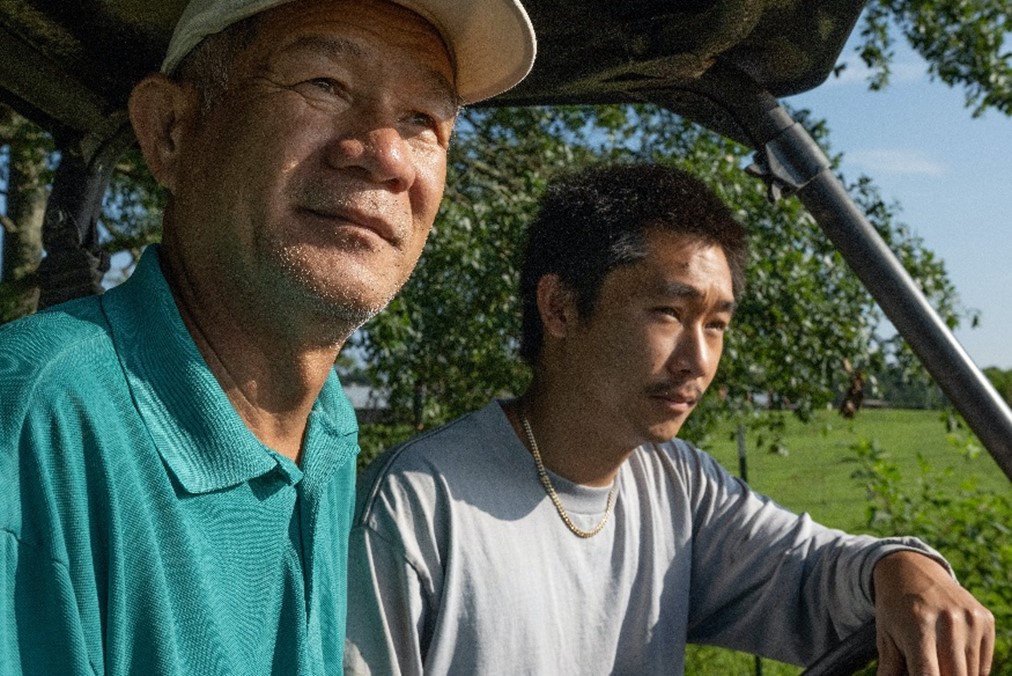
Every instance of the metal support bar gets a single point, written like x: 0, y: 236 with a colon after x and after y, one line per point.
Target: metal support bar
x: 735, y: 105
x: 732, y: 103
x: 793, y: 161
x: 74, y: 264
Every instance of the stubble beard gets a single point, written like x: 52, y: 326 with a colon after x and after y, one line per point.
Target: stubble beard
x: 335, y: 293
x: 335, y: 302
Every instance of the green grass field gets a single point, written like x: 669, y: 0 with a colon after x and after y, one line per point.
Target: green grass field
x: 816, y: 475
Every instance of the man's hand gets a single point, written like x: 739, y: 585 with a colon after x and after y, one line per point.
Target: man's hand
x: 928, y: 625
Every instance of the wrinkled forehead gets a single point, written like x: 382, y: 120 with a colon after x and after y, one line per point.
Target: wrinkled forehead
x: 490, y: 44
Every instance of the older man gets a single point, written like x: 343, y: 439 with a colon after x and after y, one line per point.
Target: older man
x: 569, y: 532
x: 178, y: 456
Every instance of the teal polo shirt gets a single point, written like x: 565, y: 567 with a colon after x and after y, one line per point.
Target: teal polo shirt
x: 145, y: 530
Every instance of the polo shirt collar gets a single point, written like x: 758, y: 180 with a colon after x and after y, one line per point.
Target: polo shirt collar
x: 199, y: 435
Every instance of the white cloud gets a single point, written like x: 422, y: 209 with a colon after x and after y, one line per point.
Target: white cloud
x: 856, y: 73
x: 895, y: 161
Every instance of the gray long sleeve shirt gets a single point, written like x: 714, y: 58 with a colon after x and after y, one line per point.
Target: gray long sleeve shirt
x: 461, y: 565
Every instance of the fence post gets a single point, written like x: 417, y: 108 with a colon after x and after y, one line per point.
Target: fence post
x: 743, y: 471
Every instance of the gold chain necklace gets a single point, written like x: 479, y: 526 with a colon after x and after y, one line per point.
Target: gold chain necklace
x: 546, y: 481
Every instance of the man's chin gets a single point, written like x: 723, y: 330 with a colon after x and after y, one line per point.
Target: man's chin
x: 328, y: 311
x: 341, y: 285
x: 346, y: 308
x: 666, y: 431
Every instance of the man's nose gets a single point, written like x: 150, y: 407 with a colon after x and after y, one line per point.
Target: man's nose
x: 691, y: 352
x: 380, y: 152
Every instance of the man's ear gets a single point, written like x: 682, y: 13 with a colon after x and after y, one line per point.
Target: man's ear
x: 161, y: 110
x: 557, y: 306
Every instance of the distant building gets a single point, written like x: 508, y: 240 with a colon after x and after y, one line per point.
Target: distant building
x: 370, y: 405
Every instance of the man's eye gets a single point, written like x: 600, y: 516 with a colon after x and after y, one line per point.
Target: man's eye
x: 326, y: 84
x: 717, y: 325
x: 422, y: 120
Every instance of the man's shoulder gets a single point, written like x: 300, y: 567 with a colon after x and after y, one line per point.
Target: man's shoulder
x: 453, y: 454
x: 59, y: 354
x: 47, y: 378
x: 55, y: 343
x: 442, y: 447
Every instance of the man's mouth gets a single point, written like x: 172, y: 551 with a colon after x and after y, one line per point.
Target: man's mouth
x: 681, y: 396
x: 349, y: 216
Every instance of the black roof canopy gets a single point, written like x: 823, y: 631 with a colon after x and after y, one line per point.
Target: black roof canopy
x: 70, y: 64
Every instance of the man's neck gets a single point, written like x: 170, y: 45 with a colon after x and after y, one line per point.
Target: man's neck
x: 571, y: 443
x: 271, y: 379
x: 273, y: 394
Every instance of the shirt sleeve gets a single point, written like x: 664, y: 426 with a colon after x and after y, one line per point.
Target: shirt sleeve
x: 45, y: 625
x: 385, y: 609
x: 40, y: 627
x: 768, y: 581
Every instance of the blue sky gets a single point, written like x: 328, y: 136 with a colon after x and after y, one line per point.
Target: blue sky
x: 950, y: 173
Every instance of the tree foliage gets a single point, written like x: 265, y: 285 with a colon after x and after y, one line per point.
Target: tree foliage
x: 132, y: 212
x: 964, y: 42
x: 1002, y: 381
x: 969, y: 526
x: 131, y: 215
x: 25, y: 172
x: 447, y: 343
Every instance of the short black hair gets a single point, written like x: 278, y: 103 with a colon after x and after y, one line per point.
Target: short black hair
x: 595, y: 220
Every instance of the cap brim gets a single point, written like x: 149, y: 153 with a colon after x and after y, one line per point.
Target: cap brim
x: 492, y: 42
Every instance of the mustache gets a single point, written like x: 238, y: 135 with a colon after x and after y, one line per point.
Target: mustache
x: 675, y: 390
x: 326, y: 198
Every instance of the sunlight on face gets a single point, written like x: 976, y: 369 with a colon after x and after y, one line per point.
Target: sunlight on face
x: 652, y: 345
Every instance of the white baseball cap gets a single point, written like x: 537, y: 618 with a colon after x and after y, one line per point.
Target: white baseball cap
x: 491, y: 42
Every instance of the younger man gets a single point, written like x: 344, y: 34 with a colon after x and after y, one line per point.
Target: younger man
x: 569, y: 532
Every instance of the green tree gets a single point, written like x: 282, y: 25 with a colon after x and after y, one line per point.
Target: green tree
x: 25, y: 173
x: 446, y: 341
x: 132, y: 211
x: 901, y: 391
x: 1002, y: 381
x: 131, y: 215
x: 964, y: 43
x: 968, y: 525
